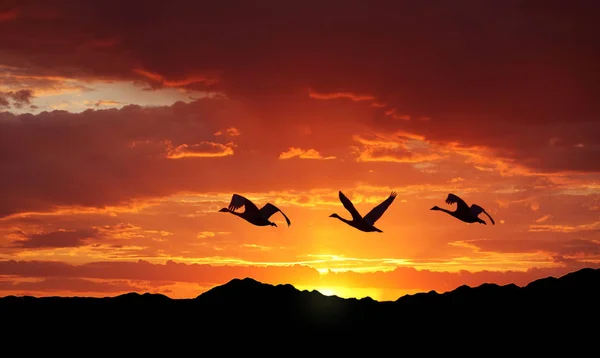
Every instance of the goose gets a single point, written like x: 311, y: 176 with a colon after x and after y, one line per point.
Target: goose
x: 366, y: 223
x: 251, y: 213
x: 463, y: 212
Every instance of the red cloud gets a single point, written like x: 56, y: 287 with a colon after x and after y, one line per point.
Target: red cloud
x: 86, y: 154
x: 113, y: 157
x: 294, y: 152
x: 421, y: 65
x: 8, y: 15
x: 59, y: 238
x: 200, y: 150
x: 159, y: 80
x: 350, y: 96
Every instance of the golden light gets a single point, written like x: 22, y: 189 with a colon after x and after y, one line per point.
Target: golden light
x: 327, y: 291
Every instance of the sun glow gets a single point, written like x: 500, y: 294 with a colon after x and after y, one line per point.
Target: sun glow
x: 346, y: 292
x: 328, y: 291
x: 361, y: 292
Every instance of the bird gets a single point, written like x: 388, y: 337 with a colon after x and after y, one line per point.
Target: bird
x: 251, y: 213
x: 463, y: 212
x: 366, y: 223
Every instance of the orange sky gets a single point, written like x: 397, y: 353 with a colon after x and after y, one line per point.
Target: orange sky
x: 123, y: 133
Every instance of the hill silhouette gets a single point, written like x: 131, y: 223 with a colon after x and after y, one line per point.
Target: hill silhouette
x: 242, y: 305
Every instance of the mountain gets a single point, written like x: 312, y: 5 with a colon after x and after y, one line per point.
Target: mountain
x: 244, y: 306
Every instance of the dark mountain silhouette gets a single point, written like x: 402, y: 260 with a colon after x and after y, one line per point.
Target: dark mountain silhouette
x: 245, y: 306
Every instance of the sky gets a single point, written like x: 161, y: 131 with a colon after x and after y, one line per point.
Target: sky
x: 126, y: 126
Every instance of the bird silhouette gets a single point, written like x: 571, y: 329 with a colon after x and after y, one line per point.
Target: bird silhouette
x: 251, y: 213
x: 367, y: 222
x: 463, y: 212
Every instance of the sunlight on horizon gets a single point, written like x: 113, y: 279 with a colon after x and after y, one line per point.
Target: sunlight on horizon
x: 377, y: 294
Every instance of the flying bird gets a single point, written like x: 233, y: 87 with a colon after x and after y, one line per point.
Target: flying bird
x: 463, y: 212
x: 251, y: 213
x: 367, y: 222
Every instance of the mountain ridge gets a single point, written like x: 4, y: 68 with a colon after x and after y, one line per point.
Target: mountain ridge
x: 242, y: 303
x: 250, y: 284
x: 505, y: 317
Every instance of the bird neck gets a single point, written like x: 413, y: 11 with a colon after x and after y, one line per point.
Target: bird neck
x: 349, y: 222
x: 453, y: 213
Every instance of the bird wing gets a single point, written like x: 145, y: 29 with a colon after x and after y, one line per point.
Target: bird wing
x: 269, y: 209
x: 237, y: 201
x: 350, y: 207
x: 476, y: 210
x: 460, y: 204
x: 377, y: 211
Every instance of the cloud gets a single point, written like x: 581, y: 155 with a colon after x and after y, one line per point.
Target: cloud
x: 106, y: 103
x: 566, y: 228
x: 156, y: 80
x: 143, y: 142
x: 210, y: 234
x: 573, y: 248
x: 303, y: 154
x: 468, y: 97
x: 396, y: 148
x: 19, y: 98
x: 456, y: 180
x: 71, y: 285
x: 121, y: 276
x: 200, y: 150
x: 477, y: 106
x: 338, y: 95
x: 133, y: 154
x: 543, y: 219
x: 231, y: 131
x: 59, y: 238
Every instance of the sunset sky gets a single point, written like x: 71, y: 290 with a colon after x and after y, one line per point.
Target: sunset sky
x: 126, y: 126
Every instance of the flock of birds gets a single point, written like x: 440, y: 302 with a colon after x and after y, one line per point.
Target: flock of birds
x: 260, y: 217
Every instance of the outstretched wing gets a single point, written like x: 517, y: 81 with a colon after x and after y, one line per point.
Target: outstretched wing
x: 460, y: 204
x: 377, y: 211
x: 237, y: 201
x: 350, y: 207
x: 269, y: 209
x: 476, y: 210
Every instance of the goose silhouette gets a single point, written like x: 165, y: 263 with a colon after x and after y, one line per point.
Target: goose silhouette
x: 463, y: 212
x: 251, y: 213
x: 366, y: 223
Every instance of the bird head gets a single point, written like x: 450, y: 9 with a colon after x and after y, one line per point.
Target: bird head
x: 224, y: 210
x: 334, y: 216
x: 435, y: 208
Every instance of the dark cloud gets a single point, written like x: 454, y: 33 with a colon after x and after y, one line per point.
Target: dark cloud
x: 110, y: 157
x: 471, y: 67
x: 517, y: 77
x: 146, y: 271
x: 54, y: 239
x: 74, y: 285
x: 19, y: 98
